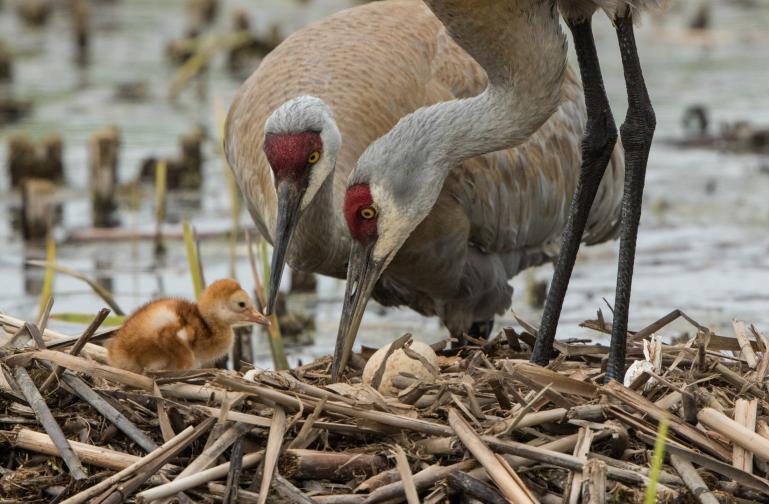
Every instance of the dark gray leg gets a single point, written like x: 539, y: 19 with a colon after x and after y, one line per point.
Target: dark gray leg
x: 597, y: 146
x: 636, y: 132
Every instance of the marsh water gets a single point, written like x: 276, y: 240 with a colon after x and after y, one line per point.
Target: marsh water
x: 703, y: 245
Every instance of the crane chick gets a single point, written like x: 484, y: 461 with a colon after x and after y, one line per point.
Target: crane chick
x: 174, y: 334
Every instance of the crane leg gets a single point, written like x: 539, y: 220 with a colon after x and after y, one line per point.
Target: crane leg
x: 636, y: 132
x: 597, y: 146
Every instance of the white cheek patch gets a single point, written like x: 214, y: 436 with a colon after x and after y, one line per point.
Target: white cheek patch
x: 318, y: 175
x: 161, y: 317
x: 393, y: 227
x: 183, y: 336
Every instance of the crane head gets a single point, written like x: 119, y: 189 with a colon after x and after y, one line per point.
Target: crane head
x: 379, y: 227
x: 301, y: 142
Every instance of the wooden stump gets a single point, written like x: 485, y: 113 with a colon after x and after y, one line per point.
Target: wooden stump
x: 28, y: 160
x: 34, y: 12
x: 38, y: 208
x: 185, y: 171
x: 201, y: 13
x: 104, y: 147
x: 81, y: 16
x: 189, y: 170
x: 22, y: 159
x: 51, y: 164
x: 6, y: 64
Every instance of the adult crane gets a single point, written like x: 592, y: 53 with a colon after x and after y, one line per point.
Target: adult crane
x: 299, y: 123
x: 445, y: 229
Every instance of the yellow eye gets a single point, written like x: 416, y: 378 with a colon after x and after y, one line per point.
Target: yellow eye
x: 367, y: 213
x: 314, y: 157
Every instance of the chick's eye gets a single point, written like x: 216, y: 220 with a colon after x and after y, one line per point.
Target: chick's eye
x: 367, y: 213
x: 314, y: 157
x: 241, y: 304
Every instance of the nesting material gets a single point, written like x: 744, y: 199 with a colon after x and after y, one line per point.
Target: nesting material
x: 399, y: 362
x: 488, y: 427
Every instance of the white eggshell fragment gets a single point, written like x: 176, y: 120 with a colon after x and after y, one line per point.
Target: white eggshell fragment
x: 399, y: 363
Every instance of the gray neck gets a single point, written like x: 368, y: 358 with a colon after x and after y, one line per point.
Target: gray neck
x: 520, y: 45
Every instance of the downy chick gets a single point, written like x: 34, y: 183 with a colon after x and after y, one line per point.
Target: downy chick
x: 175, y: 334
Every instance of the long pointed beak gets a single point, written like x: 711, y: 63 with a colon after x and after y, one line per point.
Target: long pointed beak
x: 362, y: 274
x: 289, y: 199
x: 254, y: 316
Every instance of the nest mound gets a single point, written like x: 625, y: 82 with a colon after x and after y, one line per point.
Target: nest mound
x: 489, y: 427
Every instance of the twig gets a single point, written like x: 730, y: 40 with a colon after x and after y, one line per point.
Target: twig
x: 498, y: 472
x: 289, y: 491
x: 423, y: 479
x: 693, y: 480
x: 193, y: 480
x: 735, y: 432
x: 594, y: 482
x: 744, y: 414
x: 302, y: 440
x: 474, y: 487
x: 45, y: 417
x: 402, y: 463
x: 745, y: 347
x: 233, y: 475
x: 109, y: 412
x: 120, y: 492
x: 77, y: 347
x: 95, y: 490
x: 95, y: 455
x: 98, y: 289
x: 271, y: 452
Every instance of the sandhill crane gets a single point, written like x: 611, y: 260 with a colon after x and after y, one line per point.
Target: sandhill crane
x: 312, y: 107
x: 636, y: 135
x: 445, y: 231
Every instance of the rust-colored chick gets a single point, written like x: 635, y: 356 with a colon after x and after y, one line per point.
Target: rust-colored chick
x: 174, y: 334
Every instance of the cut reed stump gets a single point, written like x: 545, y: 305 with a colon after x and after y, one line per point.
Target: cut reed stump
x: 6, y: 64
x: 34, y: 13
x: 184, y: 171
x: 81, y: 18
x: 333, y: 466
x: 26, y: 159
x: 105, y: 145
x: 38, y: 208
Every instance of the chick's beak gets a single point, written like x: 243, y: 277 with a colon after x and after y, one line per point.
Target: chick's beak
x: 289, y: 200
x: 363, y: 272
x: 252, y: 315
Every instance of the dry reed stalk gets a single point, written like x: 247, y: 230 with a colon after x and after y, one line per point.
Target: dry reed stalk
x: 407, y: 477
x: 182, y: 484
x: 745, y: 413
x: 77, y: 347
x: 502, y: 476
x: 272, y: 451
x: 745, y: 347
x: 574, y: 485
x: 168, y: 447
x: 693, y: 480
x: 594, y: 482
x: 90, y: 454
x: 733, y: 431
x: 46, y: 419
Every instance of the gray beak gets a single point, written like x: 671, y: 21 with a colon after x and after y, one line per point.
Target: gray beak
x: 289, y: 200
x: 362, y: 274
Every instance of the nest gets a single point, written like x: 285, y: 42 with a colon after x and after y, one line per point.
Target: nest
x: 488, y: 427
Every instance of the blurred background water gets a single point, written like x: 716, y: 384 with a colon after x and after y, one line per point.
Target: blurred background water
x: 703, y: 242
